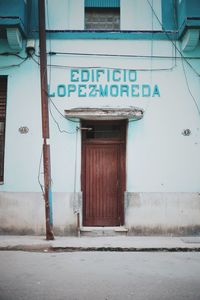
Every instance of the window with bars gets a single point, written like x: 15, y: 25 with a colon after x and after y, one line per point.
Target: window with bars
x: 102, y: 15
x: 3, y: 95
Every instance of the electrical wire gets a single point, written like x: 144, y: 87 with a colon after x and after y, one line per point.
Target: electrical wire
x: 76, y: 205
x: 182, y: 59
x: 117, y: 55
x: 188, y: 87
x: 55, y: 107
x: 37, y: 62
x: 49, y: 82
x: 152, y: 27
x: 176, y: 26
x: 61, y: 113
x: 12, y: 54
x: 112, y: 68
x: 57, y: 124
x: 105, y: 67
x: 147, y: 107
x: 13, y: 65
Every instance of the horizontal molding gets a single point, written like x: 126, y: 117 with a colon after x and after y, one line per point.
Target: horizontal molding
x: 118, y: 35
x: 13, y: 22
x: 189, y: 23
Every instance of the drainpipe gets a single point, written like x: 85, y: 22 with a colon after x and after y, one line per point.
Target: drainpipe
x: 45, y: 122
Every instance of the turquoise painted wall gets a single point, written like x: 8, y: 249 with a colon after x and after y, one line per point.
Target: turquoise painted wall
x: 14, y: 12
x: 188, y: 13
x: 169, y: 15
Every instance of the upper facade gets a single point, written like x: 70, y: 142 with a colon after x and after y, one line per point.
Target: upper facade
x: 102, y: 19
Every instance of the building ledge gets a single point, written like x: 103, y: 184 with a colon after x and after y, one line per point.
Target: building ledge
x: 13, y: 22
x: 105, y: 113
x: 111, y: 35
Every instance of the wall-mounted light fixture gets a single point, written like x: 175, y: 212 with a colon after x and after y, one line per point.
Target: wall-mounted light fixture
x: 30, y: 47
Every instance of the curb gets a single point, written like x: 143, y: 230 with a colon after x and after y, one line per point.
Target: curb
x: 50, y: 249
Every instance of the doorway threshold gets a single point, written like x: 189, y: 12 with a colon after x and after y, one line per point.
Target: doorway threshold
x: 103, y: 231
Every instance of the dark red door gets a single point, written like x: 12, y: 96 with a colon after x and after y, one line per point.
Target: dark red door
x: 103, y: 173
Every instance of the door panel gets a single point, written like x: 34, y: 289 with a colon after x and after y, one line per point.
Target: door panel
x: 103, y: 179
x: 101, y: 190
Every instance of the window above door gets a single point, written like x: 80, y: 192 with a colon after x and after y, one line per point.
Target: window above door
x: 102, y: 15
x: 103, y: 130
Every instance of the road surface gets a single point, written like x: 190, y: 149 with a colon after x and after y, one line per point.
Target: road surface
x: 99, y: 276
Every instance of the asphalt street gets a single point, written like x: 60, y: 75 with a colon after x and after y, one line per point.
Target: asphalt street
x: 99, y: 276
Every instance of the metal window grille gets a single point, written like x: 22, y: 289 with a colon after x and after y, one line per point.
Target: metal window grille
x: 102, y: 3
x: 102, y: 19
x: 3, y: 94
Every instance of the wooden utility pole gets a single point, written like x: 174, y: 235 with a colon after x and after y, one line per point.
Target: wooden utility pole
x: 45, y: 122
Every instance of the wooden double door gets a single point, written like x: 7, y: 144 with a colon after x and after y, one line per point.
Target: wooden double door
x: 103, y: 172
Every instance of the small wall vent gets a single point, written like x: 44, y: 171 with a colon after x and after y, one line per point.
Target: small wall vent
x: 190, y: 40
x: 14, y: 38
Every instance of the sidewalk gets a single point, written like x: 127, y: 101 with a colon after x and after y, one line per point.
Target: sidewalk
x: 119, y: 243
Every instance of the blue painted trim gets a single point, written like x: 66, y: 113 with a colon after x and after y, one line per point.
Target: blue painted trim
x: 193, y: 22
x: 189, y: 24
x: 11, y: 10
x: 192, y: 8
x: 188, y: 14
x: 102, y: 3
x: 50, y: 206
x: 181, y: 12
x: 168, y: 15
x: 13, y: 22
x: 122, y: 35
x: 33, y: 18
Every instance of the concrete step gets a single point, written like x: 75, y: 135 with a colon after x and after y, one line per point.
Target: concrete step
x: 103, y: 231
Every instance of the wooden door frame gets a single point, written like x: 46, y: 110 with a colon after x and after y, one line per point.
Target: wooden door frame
x: 121, y: 165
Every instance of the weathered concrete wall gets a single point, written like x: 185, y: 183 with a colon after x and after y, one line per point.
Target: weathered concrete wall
x: 64, y: 217
x: 145, y: 213
x: 24, y: 213
x: 162, y: 213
